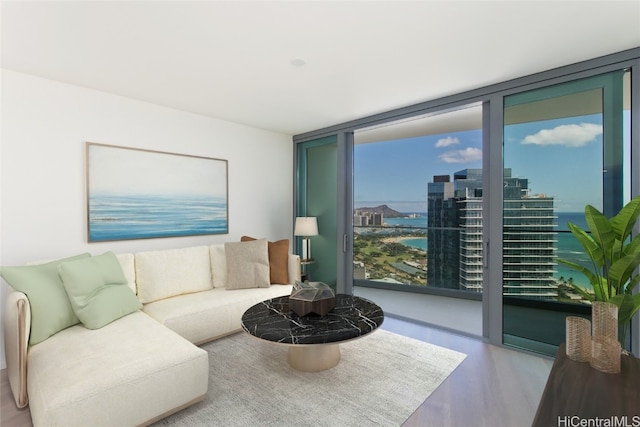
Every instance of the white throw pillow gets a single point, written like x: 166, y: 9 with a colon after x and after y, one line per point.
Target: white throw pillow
x: 167, y: 273
x: 218, y: 265
x: 247, y: 264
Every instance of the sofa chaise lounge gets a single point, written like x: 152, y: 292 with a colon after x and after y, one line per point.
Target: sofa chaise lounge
x: 145, y: 364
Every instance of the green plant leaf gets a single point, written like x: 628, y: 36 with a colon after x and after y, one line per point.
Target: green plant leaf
x: 615, y: 257
x: 601, y: 231
x: 620, y: 271
x: 632, y: 284
x: 589, y: 245
x: 595, y: 281
x: 624, y: 221
x: 617, y: 250
x: 633, y: 246
x: 627, y: 304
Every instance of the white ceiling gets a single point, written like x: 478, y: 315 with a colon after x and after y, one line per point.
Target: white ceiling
x: 233, y: 60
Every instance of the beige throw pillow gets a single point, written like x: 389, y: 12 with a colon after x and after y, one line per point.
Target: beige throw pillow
x: 247, y: 264
x: 278, y: 260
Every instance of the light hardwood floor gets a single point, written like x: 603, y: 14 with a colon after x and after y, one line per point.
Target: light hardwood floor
x: 493, y: 386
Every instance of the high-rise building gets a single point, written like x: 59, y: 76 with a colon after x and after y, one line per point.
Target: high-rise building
x: 360, y: 220
x: 468, y: 193
x: 454, y: 256
x: 442, y: 234
x: 377, y: 218
x: 367, y: 218
x: 470, y: 209
x: 359, y: 271
x: 529, y: 242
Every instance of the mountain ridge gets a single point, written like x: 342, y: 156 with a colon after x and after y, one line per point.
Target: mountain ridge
x: 385, y: 210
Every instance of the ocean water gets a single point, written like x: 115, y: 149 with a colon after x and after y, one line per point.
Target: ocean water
x: 568, y: 246
x: 147, y: 216
x: 418, y: 221
x: 416, y: 242
x: 421, y: 220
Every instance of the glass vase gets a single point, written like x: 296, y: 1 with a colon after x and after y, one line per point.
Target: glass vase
x: 605, y: 347
x: 604, y: 319
x: 578, y: 339
x: 606, y: 354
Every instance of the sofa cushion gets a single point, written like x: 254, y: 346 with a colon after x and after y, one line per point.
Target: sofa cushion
x: 278, y: 260
x: 128, y: 373
x: 163, y: 274
x: 51, y: 310
x: 208, y: 315
x: 247, y: 264
x: 98, y: 290
x: 218, y: 265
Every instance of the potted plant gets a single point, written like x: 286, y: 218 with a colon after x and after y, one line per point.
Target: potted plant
x: 615, y: 258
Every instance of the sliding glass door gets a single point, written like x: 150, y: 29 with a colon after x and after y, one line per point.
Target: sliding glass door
x: 317, y: 187
x: 563, y: 149
x: 425, y: 199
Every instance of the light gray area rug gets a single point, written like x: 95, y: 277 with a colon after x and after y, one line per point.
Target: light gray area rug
x: 381, y: 380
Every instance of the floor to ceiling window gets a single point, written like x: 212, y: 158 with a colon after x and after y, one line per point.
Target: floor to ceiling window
x: 417, y: 202
x: 423, y: 195
x: 564, y: 148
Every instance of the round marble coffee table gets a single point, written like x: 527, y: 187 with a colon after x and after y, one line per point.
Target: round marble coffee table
x: 313, y: 341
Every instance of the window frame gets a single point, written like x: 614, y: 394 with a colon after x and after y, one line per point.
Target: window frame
x: 492, y: 98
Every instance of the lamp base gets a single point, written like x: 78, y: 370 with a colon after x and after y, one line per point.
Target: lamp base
x: 306, y: 250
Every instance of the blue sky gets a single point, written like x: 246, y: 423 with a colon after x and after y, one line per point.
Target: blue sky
x: 397, y: 172
x: 561, y: 158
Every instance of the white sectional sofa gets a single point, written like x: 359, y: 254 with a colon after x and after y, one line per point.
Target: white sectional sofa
x: 144, y: 365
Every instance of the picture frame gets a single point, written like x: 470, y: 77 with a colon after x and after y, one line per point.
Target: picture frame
x: 143, y: 194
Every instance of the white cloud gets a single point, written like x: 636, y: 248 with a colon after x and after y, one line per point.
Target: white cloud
x: 467, y: 155
x: 568, y: 135
x: 447, y: 142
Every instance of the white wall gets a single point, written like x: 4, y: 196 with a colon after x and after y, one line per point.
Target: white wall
x: 43, y: 200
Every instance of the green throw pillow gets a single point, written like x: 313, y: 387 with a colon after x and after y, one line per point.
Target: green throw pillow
x: 98, y: 290
x: 51, y: 311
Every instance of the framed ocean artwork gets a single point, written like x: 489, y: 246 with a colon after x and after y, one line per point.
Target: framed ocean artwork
x: 143, y: 194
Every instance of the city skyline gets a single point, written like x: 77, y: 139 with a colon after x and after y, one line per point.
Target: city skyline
x: 554, y: 154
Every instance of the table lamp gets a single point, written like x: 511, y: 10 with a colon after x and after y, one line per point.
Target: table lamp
x: 306, y: 226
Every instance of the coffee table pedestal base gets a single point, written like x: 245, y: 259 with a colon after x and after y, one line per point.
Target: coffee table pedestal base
x: 314, y: 358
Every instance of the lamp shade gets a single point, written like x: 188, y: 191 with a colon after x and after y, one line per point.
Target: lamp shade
x: 306, y: 226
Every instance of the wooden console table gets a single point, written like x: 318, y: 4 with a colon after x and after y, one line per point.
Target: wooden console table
x: 577, y: 391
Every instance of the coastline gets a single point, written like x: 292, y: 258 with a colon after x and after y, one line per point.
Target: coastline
x: 567, y: 246
x: 394, y: 239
